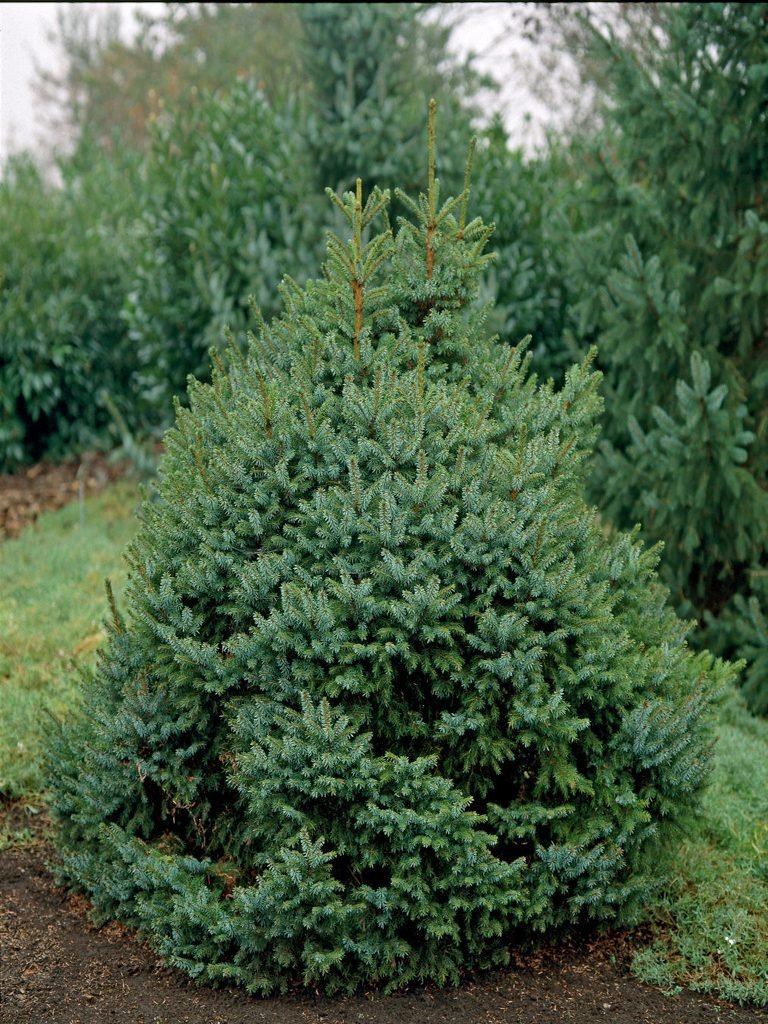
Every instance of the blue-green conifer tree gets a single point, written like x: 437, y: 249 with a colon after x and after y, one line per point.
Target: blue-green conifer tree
x: 384, y: 696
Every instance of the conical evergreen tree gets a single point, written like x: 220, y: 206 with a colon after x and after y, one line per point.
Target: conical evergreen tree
x: 385, y: 694
x: 372, y: 68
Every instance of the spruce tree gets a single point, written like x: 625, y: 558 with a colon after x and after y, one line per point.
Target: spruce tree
x: 675, y: 292
x: 385, y: 696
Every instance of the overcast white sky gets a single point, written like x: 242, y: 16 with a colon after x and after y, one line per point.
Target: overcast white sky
x: 23, y: 43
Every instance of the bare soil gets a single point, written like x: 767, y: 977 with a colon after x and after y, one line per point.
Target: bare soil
x: 45, y: 486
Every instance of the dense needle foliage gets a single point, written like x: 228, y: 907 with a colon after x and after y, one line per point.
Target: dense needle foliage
x: 384, y: 695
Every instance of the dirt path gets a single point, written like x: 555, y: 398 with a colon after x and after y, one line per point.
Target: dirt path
x: 55, y: 968
x: 40, y: 488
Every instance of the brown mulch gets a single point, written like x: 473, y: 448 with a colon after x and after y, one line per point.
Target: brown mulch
x: 57, y: 968
x: 43, y: 487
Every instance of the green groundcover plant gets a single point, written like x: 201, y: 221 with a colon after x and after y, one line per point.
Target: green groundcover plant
x: 385, y: 696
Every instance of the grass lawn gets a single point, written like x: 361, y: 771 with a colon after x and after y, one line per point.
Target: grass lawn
x: 52, y: 605
x: 712, y: 917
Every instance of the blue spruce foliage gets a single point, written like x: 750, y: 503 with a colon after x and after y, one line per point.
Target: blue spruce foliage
x: 385, y: 695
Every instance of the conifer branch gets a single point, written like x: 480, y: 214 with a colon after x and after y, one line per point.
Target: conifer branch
x: 422, y: 473
x: 357, y: 289
x: 521, y: 448
x: 267, y: 408
x: 358, y: 221
x: 337, y: 248
x: 308, y: 415
x: 341, y: 206
x: 143, y: 573
x: 234, y: 352
x: 431, y: 190
x: 539, y: 539
x: 357, y: 284
x: 467, y: 186
x: 198, y: 453
x: 376, y: 399
x: 117, y: 621
x: 408, y: 202
x: 377, y: 202
x: 375, y: 260
x: 216, y: 358
x: 562, y: 455
x: 261, y: 324
x: 354, y: 477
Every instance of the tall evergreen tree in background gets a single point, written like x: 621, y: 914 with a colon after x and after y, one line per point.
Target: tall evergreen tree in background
x: 384, y: 695
x: 373, y: 68
x: 679, y: 187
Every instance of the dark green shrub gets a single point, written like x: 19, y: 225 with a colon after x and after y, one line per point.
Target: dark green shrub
x: 385, y: 695
x: 223, y: 211
x: 529, y: 201
x: 675, y: 291
x: 65, y: 252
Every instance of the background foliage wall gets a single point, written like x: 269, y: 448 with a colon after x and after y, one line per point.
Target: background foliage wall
x: 65, y: 260
x: 673, y: 285
x: 529, y: 202
x: 223, y: 214
x: 219, y: 210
